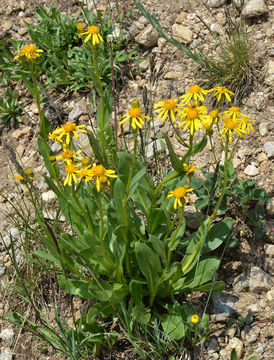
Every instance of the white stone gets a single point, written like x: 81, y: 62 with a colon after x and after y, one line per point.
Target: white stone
x: 49, y: 197
x: 7, y: 336
x: 269, y: 75
x: 263, y: 129
x: 217, y: 29
x: 270, y: 295
x: 254, y: 8
x: 6, y: 354
x: 216, y: 3
x: 269, y: 148
x: 270, y: 207
x: 14, y: 233
x: 269, y: 248
x: 259, y: 280
x: 239, y: 3
x: 236, y: 344
x: 148, y: 37
x: 182, y: 33
x: 251, y: 170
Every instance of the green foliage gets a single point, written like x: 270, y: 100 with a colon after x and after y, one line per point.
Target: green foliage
x: 10, y: 109
x: 234, y: 356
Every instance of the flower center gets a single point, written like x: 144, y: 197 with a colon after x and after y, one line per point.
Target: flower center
x: 83, y: 172
x: 194, y: 89
x: 70, y: 169
x: 207, y: 124
x: 67, y: 154
x: 134, y: 112
x: 244, y: 120
x: 93, y: 29
x: 99, y: 170
x: 192, y: 113
x: 169, y: 104
x: 229, y: 124
x: 179, y: 192
x: 29, y: 49
x: 68, y: 127
x: 80, y: 26
x: 213, y: 113
x: 85, y: 160
x: 234, y: 109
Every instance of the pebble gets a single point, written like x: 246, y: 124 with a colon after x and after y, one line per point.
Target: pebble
x: 216, y: 3
x: 217, y: 29
x: 259, y: 36
x: 14, y: 233
x: 261, y: 157
x: 270, y: 209
x: 182, y: 33
x: 263, y: 129
x: 251, y: 170
x: 79, y: 109
x: 2, y: 270
x: 224, y: 302
x: 148, y: 37
x: 236, y: 344
x: 7, y: 336
x: 240, y: 284
x: 259, y: 280
x: 190, y: 214
x: 49, y: 197
x: 254, y: 8
x: 269, y: 148
x: 270, y: 295
x: 269, y: 75
x: 6, y: 354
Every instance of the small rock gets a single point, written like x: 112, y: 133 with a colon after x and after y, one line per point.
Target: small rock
x: 217, y: 29
x: 259, y: 280
x: 212, y: 344
x: 2, y: 270
x: 7, y: 25
x: 216, y: 3
x: 270, y: 295
x: 173, y: 75
x: 190, y: 214
x: 263, y: 129
x: 224, y: 302
x: 14, y: 233
x: 259, y: 36
x: 236, y: 344
x: 153, y: 146
x: 49, y: 197
x: 79, y: 109
x: 269, y: 148
x: 239, y: 3
x: 261, y: 157
x: 182, y: 33
x: 251, y: 170
x: 269, y: 248
x: 144, y: 65
x: 231, y: 332
x: 6, y: 354
x: 254, y: 8
x: 7, y: 336
x: 253, y: 308
x: 270, y: 209
x: 240, y: 284
x: 55, y: 147
x: 269, y: 75
x: 148, y: 37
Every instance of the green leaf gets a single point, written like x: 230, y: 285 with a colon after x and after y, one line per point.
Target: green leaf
x: 136, y: 180
x: 159, y: 248
x: 216, y: 286
x: 175, y: 161
x: 174, y: 326
x: 233, y: 355
x: 149, y: 264
x: 156, y: 219
x: 217, y: 234
x: 119, y: 191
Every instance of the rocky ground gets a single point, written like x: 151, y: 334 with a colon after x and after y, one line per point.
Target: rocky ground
x: 248, y: 272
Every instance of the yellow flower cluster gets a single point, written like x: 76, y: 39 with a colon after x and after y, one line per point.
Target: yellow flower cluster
x: 23, y: 179
x: 91, y: 32
x: 81, y: 170
x: 28, y: 52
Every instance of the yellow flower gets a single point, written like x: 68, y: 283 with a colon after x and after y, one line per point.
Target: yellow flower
x: 135, y: 116
x: 71, y: 170
x: 193, y: 114
x: 68, y: 155
x: 194, y: 93
x: 101, y: 175
x: 80, y: 26
x: 246, y: 124
x: 222, y: 91
x: 29, y: 52
x: 85, y: 161
x: 180, y: 193
x: 52, y: 159
x: 190, y: 168
x: 194, y: 319
x: 92, y: 31
x: 85, y: 173
x: 165, y: 108
x: 207, y: 122
x: 69, y: 129
x: 233, y: 113
x: 22, y: 179
x: 55, y: 135
x: 231, y: 125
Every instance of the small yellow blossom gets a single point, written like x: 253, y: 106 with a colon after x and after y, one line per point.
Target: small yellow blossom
x: 135, y: 116
x: 180, y: 194
x: 214, y: 115
x: 71, y: 170
x: 207, y: 122
x: 194, y: 319
x: 55, y: 135
x: 232, y: 125
x: 246, y: 124
x: 22, y: 179
x: 70, y: 129
x: 85, y: 173
x: 80, y: 26
x: 233, y: 113
x: 92, y: 31
x: 222, y: 91
x: 192, y: 115
x: 85, y: 161
x: 190, y: 168
x: 166, y: 108
x: 52, y: 159
x: 194, y: 93
x: 28, y: 52
x: 101, y: 175
x: 68, y: 155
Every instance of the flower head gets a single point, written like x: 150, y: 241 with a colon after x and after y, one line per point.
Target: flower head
x: 80, y: 27
x: 233, y: 113
x: 29, y: 174
x: 68, y: 155
x: 194, y: 319
x: 193, y: 115
x: 135, y: 116
x: 85, y: 161
x: 92, y: 31
x: 222, y: 91
x: 55, y: 135
x: 165, y: 108
x: 231, y: 125
x: 84, y: 173
x: 71, y: 170
x: 70, y: 129
x: 101, y: 175
x: 180, y: 194
x: 194, y: 93
x: 246, y: 124
x: 29, y: 52
x: 190, y: 168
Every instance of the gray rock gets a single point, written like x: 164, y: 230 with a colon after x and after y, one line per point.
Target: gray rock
x: 254, y: 8
x: 182, y: 33
x: 269, y: 75
x: 7, y: 336
x: 236, y: 344
x: 2, y: 270
x: 270, y: 296
x: 240, y: 284
x: 251, y: 170
x: 269, y: 248
x: 269, y: 148
x: 253, y: 308
x: 153, y: 146
x: 212, y: 344
x: 223, y: 302
x: 216, y: 3
x: 259, y: 280
x: 217, y: 29
x: 55, y: 147
x: 148, y: 37
x: 239, y: 3
x: 6, y: 354
x: 49, y: 197
x: 190, y: 214
x: 144, y: 65
x: 14, y: 233
x: 79, y: 109
x: 263, y: 129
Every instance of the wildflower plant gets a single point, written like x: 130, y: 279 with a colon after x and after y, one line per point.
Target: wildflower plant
x: 128, y: 251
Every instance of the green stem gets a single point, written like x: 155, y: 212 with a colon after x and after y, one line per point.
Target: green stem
x: 132, y: 166
x: 84, y: 212
x: 179, y: 138
x: 212, y: 147
x: 172, y: 241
